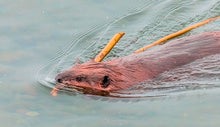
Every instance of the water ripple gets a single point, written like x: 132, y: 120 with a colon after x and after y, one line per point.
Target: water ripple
x: 144, y: 25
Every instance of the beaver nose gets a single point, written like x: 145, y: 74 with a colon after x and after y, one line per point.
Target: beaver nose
x: 64, y: 76
x: 59, y: 78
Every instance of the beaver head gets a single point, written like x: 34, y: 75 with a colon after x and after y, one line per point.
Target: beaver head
x: 101, y: 76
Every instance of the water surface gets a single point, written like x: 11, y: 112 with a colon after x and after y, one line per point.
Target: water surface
x: 41, y: 38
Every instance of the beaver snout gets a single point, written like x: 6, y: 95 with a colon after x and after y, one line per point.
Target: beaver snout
x: 63, y: 77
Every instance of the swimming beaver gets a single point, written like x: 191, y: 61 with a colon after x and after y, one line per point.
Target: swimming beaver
x: 121, y: 73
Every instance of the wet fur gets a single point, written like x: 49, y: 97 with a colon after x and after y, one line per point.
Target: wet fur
x: 121, y: 73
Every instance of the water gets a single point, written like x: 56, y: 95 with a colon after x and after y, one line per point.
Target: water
x: 41, y: 38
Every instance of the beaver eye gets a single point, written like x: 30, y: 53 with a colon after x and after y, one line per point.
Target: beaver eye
x: 105, y: 82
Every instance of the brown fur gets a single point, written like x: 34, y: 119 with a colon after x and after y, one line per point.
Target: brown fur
x: 121, y: 73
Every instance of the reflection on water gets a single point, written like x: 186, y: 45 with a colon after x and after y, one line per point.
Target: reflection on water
x: 32, y: 32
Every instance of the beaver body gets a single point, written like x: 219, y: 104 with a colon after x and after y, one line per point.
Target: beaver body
x: 124, y: 72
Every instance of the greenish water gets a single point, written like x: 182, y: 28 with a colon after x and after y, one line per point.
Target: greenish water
x: 41, y: 38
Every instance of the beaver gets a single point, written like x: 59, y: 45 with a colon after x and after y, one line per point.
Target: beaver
x: 124, y: 72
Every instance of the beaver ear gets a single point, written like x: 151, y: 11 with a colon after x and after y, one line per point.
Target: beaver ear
x: 105, y: 82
